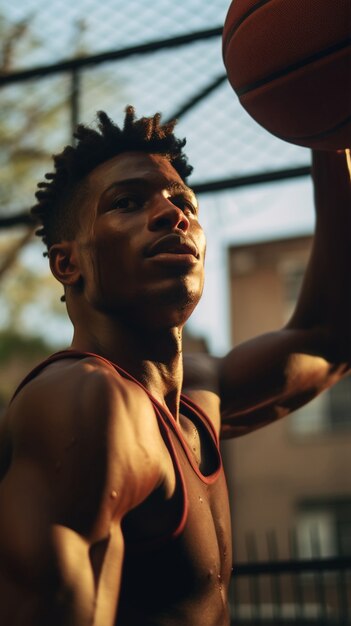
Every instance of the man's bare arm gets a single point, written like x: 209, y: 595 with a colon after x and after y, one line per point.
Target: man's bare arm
x: 27, y: 560
x: 74, y: 473
x: 267, y: 377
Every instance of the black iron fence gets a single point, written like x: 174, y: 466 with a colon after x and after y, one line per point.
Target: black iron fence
x: 300, y: 592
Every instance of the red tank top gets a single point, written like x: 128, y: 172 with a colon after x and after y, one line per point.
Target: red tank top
x: 192, y: 553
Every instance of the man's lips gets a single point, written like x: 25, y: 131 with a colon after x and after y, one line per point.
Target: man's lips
x: 173, y: 244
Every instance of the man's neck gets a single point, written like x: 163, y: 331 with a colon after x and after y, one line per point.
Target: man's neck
x: 153, y: 357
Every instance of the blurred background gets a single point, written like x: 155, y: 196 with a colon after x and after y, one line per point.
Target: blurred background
x: 60, y: 62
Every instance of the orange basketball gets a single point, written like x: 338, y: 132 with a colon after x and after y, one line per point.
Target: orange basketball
x: 289, y: 62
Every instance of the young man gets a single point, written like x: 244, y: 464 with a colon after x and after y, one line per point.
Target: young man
x: 113, y: 501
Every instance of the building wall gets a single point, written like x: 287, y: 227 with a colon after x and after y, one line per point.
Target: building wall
x: 294, y: 475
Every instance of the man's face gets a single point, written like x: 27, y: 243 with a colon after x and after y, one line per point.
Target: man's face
x: 141, y: 247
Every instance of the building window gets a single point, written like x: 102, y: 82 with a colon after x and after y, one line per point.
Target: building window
x: 329, y: 413
x: 323, y: 528
x: 292, y: 272
x: 340, y: 405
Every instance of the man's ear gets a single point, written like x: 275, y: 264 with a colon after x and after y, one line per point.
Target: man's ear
x: 63, y: 263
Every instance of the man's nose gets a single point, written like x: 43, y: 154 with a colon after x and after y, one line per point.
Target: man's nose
x: 166, y: 215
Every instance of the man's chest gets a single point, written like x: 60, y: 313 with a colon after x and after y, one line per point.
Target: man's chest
x: 184, y: 542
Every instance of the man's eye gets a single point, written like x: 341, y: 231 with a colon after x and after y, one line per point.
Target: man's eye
x: 126, y: 203
x: 185, y: 205
x: 192, y: 208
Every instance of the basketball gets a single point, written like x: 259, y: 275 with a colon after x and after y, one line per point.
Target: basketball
x: 289, y: 62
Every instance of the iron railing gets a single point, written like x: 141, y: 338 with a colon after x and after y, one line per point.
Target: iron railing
x: 300, y: 592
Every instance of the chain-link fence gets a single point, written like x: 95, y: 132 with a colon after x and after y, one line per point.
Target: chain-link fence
x: 158, y: 56
x: 63, y: 61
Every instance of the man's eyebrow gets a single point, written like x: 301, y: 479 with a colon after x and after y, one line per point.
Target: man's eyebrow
x: 177, y: 187
x: 174, y: 187
x: 182, y: 189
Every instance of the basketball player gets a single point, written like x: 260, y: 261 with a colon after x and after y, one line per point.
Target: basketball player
x: 113, y: 502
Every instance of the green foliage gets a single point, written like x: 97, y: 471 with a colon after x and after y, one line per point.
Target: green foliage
x: 27, y: 118
x: 29, y: 295
x: 28, y: 348
x: 18, y: 355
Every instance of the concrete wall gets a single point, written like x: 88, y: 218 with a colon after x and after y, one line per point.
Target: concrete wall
x: 271, y: 470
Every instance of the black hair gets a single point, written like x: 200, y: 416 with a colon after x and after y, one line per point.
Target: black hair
x: 58, y: 202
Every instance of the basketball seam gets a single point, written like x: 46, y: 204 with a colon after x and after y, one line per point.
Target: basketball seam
x: 293, y: 67
x: 320, y: 134
x: 235, y: 26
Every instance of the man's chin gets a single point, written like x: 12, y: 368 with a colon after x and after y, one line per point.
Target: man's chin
x: 169, y: 308
x: 165, y: 303
x: 160, y: 309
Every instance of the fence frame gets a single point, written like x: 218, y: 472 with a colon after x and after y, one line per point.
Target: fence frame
x: 317, y: 567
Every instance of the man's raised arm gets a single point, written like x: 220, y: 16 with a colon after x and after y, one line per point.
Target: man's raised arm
x: 264, y: 379
x: 271, y: 375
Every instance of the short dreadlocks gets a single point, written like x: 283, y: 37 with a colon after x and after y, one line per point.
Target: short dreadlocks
x: 58, y: 201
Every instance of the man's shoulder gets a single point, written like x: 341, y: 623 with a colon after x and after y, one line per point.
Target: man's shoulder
x: 66, y: 383
x: 79, y: 420
x: 80, y: 396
